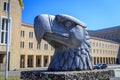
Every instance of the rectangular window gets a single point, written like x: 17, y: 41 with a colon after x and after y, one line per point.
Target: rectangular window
x: 5, y: 6
x: 100, y: 51
x: 30, y: 45
x: 45, y: 46
x: 3, y: 31
x: 93, y: 44
x: 93, y: 50
x: 52, y: 48
x: 103, y: 51
x: 22, y: 33
x: 38, y: 46
x: 99, y: 44
x: 96, y: 44
x: 102, y: 45
x: 22, y: 44
x: 30, y: 34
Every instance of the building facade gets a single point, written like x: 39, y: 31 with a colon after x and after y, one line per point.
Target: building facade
x: 104, y: 51
x: 33, y: 54
x: 15, y: 20
x: 25, y: 52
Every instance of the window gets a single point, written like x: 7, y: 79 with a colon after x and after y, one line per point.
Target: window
x: 103, y: 51
x: 93, y: 50
x: 45, y: 46
x: 96, y: 44
x: 105, y: 45
x: 38, y: 45
x: 30, y: 34
x: 5, y: 6
x: 22, y: 33
x: 108, y: 46
x: 38, y: 62
x: 93, y: 44
x: 52, y: 48
x: 96, y: 50
x: 102, y: 45
x: 100, y: 51
x: 3, y: 31
x: 1, y: 58
x: 22, y: 44
x: 99, y: 44
x: 22, y: 61
x: 30, y: 45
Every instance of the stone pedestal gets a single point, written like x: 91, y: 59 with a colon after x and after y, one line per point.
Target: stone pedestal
x: 68, y: 75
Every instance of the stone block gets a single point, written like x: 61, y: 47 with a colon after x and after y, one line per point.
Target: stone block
x: 68, y: 75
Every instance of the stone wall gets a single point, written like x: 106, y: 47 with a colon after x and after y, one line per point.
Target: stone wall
x: 68, y: 75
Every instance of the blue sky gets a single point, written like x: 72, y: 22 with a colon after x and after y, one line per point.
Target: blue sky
x: 96, y: 14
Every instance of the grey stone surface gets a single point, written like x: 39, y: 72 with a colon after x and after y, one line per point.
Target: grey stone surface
x: 68, y: 75
x: 117, y: 72
x: 115, y: 78
x: 69, y: 38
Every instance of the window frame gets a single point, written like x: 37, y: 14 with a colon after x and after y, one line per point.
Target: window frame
x: 30, y: 35
x: 22, y: 44
x: 22, y: 33
x: 45, y: 46
x: 1, y: 18
x: 30, y: 46
x: 5, y: 7
x: 38, y: 46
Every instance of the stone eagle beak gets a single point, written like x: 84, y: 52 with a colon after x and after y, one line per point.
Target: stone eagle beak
x: 41, y: 26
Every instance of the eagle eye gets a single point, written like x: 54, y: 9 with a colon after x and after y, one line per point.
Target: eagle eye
x: 68, y: 24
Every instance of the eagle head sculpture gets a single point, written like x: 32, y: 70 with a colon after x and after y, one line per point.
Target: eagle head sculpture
x: 70, y: 39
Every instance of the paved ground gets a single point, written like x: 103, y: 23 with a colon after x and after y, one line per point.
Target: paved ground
x: 17, y: 72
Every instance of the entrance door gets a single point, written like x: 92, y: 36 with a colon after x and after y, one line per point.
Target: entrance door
x: 30, y: 61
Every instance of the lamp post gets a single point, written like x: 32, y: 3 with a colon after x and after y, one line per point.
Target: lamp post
x: 8, y: 41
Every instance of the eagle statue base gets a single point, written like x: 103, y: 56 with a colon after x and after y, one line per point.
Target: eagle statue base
x: 68, y: 75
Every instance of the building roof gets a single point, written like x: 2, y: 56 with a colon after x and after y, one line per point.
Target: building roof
x: 27, y: 24
x: 111, y: 33
x: 108, y: 29
x: 101, y: 39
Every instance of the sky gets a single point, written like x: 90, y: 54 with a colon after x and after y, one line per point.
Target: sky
x: 96, y: 14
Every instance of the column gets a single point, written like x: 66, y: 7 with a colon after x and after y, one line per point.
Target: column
x: 42, y: 61
x: 49, y: 59
x: 26, y: 56
x: 111, y: 60
x: 34, y: 60
x: 93, y: 60
x: 105, y: 61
